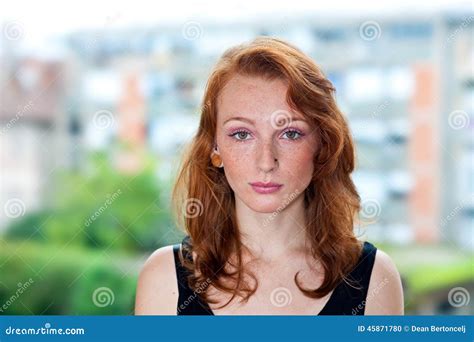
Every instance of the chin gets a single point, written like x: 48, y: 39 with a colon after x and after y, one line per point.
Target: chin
x: 265, y: 207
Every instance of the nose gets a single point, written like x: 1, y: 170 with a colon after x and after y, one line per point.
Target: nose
x: 267, y: 157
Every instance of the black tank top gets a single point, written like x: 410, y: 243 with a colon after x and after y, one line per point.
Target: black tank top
x: 345, y: 300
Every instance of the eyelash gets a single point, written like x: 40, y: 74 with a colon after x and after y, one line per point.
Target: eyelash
x: 245, y: 131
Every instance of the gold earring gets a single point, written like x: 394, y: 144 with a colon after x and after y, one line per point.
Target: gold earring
x: 216, y: 160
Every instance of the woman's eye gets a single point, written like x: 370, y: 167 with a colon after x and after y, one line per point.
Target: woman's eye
x: 293, y: 135
x: 240, y: 135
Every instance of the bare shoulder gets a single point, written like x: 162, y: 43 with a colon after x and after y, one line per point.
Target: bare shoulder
x: 157, y: 288
x: 385, y: 293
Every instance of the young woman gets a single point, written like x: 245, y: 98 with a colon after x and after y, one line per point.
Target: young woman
x: 267, y: 201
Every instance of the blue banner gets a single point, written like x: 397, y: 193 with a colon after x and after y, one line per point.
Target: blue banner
x: 236, y: 328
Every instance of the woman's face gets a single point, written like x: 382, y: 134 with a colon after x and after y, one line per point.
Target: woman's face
x: 261, y: 139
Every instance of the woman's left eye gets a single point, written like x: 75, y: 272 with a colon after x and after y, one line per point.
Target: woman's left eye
x: 293, y: 134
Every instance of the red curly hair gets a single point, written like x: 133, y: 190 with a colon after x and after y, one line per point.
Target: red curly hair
x: 331, y: 199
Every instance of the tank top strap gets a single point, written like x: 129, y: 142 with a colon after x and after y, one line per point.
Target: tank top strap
x: 189, y: 303
x: 349, y: 297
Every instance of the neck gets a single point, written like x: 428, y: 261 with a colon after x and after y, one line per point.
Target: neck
x: 272, y: 235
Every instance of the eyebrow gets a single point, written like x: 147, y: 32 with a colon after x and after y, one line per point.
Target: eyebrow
x: 250, y: 121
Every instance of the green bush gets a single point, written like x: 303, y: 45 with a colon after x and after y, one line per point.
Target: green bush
x: 63, y: 281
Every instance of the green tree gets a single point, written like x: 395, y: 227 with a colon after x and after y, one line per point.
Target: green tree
x: 103, y: 208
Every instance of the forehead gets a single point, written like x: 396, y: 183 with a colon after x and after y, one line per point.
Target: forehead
x: 252, y: 96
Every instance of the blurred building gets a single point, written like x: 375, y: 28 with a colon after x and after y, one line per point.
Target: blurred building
x: 33, y: 132
x: 405, y: 84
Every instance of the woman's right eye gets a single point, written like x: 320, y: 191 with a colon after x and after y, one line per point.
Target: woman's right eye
x: 239, y: 135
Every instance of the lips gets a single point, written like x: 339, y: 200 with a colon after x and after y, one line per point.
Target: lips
x: 265, y: 188
x: 266, y: 185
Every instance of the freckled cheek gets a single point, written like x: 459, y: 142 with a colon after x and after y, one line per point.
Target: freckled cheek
x: 303, y: 156
x: 236, y: 164
x: 232, y: 151
x: 237, y: 160
x: 299, y: 162
x: 237, y: 173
